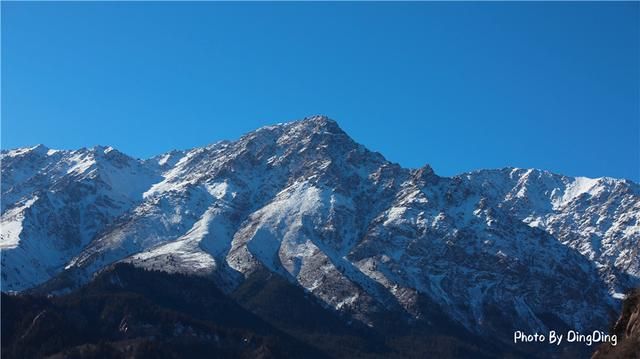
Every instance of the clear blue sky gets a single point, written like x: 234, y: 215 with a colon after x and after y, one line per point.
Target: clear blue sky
x: 460, y: 86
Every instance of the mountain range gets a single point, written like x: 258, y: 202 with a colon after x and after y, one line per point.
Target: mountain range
x: 487, y: 252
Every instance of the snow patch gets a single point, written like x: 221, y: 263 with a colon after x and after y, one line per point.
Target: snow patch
x: 11, y: 224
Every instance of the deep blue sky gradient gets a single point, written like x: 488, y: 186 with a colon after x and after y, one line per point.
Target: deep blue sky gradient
x: 460, y: 86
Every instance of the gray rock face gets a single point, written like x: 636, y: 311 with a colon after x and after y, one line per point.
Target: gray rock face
x: 495, y: 250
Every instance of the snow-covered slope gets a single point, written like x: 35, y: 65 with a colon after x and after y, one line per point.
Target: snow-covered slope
x: 55, y: 202
x: 494, y: 249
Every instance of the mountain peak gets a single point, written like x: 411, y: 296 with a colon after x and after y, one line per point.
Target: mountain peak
x: 309, y: 131
x: 315, y: 123
x: 37, y: 149
x: 319, y: 119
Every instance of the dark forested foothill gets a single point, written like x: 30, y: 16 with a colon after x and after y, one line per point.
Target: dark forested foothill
x: 132, y: 313
x: 126, y: 312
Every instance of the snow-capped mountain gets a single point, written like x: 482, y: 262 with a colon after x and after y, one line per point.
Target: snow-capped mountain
x: 494, y: 250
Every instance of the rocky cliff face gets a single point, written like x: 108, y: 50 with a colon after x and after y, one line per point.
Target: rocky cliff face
x: 494, y: 250
x: 627, y: 331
